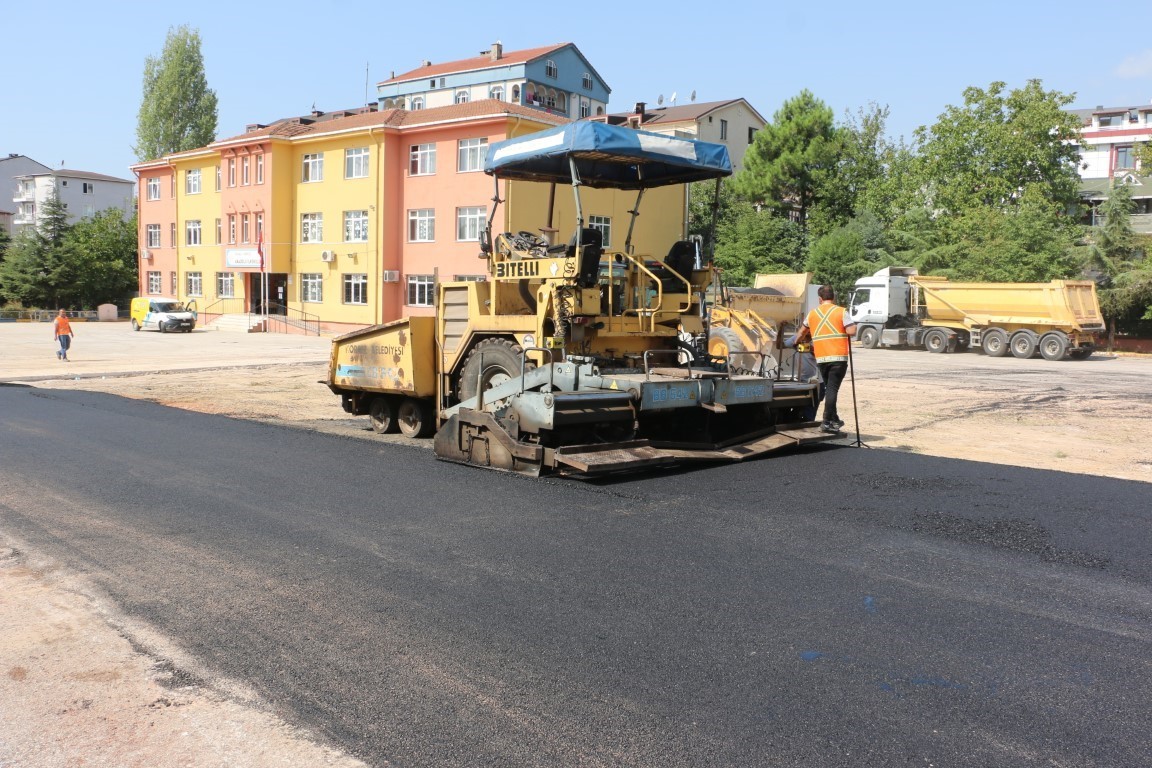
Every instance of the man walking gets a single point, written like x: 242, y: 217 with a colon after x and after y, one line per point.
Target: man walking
x: 831, y: 336
x: 62, y: 332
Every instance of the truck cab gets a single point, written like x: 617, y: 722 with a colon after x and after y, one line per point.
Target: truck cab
x: 879, y: 298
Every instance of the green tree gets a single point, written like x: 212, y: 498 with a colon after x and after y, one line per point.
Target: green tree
x: 864, y: 157
x: 178, y: 109
x: 848, y: 253
x: 1118, y: 263
x: 99, y: 261
x: 29, y: 272
x: 753, y: 241
x: 792, y: 158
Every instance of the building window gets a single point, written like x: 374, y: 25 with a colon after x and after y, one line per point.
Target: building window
x: 312, y: 287
x: 245, y: 171
x: 604, y: 224
x: 245, y: 228
x: 311, y: 227
x: 172, y: 280
x: 422, y: 160
x: 356, y: 163
x: 171, y: 185
x: 172, y: 234
x: 496, y: 92
x: 515, y: 94
x: 470, y: 278
x: 470, y: 154
x: 421, y: 225
x: 586, y: 81
x: 155, y: 283
x: 87, y: 188
x: 313, y: 169
x: 218, y: 231
x: 153, y: 188
x: 417, y: 103
x: 751, y: 135
x: 152, y: 234
x: 723, y: 130
x: 260, y: 228
x: 217, y: 178
x: 194, y: 283
x: 225, y: 285
x: 192, y: 232
x: 355, y: 289
x: 463, y: 97
x: 192, y: 182
x: 585, y: 108
x: 259, y: 169
x: 231, y: 172
x: 470, y: 223
x: 420, y: 289
x: 355, y: 226
x: 550, y: 69
x: 1125, y: 158
x: 231, y: 228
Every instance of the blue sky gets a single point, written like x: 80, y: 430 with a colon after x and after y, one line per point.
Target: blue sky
x: 75, y: 69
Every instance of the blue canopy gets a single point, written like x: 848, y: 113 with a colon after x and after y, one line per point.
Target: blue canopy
x: 607, y: 156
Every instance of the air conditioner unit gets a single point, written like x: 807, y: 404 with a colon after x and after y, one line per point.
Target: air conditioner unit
x: 391, y: 276
x: 327, y: 256
x: 146, y: 254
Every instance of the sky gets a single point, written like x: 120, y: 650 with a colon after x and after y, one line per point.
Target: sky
x: 75, y: 70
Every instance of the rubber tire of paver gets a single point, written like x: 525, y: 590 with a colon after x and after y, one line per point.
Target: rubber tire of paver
x: 501, y: 361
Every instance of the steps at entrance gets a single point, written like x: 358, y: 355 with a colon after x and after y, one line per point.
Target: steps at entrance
x: 237, y: 324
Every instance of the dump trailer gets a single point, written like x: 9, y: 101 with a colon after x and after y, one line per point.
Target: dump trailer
x: 572, y: 358
x: 896, y: 307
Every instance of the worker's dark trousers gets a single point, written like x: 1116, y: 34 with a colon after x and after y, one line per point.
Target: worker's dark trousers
x: 833, y: 374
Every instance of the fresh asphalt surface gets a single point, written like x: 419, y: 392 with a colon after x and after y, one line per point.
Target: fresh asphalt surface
x: 834, y: 607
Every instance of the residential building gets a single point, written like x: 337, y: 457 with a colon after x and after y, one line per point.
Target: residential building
x: 555, y: 78
x: 733, y: 123
x: 11, y: 167
x: 82, y: 192
x: 1110, y: 139
x: 355, y: 215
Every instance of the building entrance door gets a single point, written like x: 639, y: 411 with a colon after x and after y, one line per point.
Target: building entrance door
x: 277, y: 293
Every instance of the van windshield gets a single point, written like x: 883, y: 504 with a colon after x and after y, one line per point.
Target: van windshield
x: 169, y: 306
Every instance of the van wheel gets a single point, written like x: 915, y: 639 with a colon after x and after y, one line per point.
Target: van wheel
x: 382, y: 413
x: 414, y: 418
x: 135, y: 325
x: 163, y: 328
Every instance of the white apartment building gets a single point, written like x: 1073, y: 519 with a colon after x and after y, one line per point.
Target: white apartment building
x: 82, y: 192
x: 1111, y: 137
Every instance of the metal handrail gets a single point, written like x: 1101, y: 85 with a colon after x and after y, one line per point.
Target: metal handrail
x: 287, y: 316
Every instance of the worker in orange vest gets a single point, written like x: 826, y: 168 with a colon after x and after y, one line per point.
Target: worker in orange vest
x: 831, y: 334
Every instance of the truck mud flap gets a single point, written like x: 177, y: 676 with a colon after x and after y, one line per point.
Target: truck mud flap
x: 605, y: 458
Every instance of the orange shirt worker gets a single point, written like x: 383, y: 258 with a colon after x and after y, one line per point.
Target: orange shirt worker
x: 831, y: 336
x: 62, y: 332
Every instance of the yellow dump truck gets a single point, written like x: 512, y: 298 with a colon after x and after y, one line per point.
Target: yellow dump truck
x: 896, y: 307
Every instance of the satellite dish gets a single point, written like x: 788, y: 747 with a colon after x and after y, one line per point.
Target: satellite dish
x: 673, y: 99
x: 660, y: 99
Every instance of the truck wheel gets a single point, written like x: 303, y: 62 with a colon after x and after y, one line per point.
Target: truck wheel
x: 869, y: 337
x: 936, y: 340
x: 1023, y: 344
x: 995, y: 343
x: 382, y: 414
x: 1080, y: 353
x: 723, y: 342
x: 414, y: 418
x: 1053, y: 346
x: 501, y: 361
x: 135, y: 325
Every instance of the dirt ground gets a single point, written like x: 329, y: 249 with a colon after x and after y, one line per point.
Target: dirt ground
x: 81, y: 685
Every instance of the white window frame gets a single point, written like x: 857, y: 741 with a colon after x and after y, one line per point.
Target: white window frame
x: 604, y: 224
x: 422, y: 225
x: 311, y: 227
x: 422, y: 160
x: 417, y: 103
x: 355, y: 226
x: 312, y: 168
x: 356, y: 163
x: 232, y: 228
x: 152, y: 236
x: 245, y: 171
x: 231, y: 172
x: 470, y: 222
x: 551, y: 70
x: 155, y: 283
x: 355, y: 289
x: 219, y: 229
x: 153, y: 188
x: 496, y: 92
x: 470, y: 154
x: 219, y: 176
x: 192, y: 232
x: 586, y: 81
x: 194, y: 283
x: 260, y: 168
x: 225, y: 285
x: 421, y: 290
x: 311, y: 287
x: 463, y: 96
x: 245, y: 228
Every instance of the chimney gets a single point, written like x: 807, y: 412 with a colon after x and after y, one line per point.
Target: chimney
x: 497, y: 51
x: 639, y: 109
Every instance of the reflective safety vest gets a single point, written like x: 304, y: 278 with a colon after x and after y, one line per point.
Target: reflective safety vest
x: 829, y: 340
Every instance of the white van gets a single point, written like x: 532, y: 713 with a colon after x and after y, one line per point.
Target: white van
x: 162, y: 314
